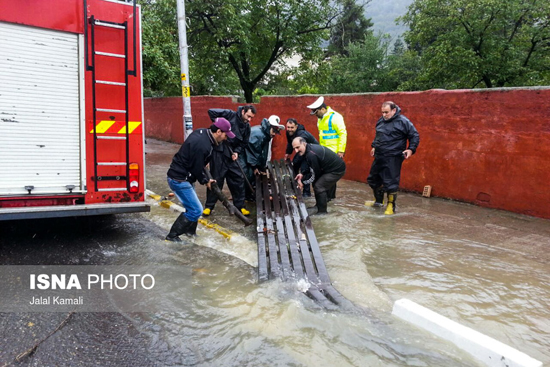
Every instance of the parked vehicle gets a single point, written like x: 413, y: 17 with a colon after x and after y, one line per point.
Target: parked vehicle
x: 71, y: 109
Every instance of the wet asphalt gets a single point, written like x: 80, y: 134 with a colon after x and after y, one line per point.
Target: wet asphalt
x: 83, y: 339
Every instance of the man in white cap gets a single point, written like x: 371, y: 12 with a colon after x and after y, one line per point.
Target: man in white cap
x: 257, y: 150
x: 332, y: 131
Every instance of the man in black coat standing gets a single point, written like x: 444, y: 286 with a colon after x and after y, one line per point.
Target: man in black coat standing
x: 389, y: 150
x: 296, y: 130
x: 227, y: 157
x: 324, y: 168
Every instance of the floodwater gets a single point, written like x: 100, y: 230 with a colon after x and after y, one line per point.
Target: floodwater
x: 486, y: 269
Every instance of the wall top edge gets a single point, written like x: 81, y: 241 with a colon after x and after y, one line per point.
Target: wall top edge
x: 477, y: 90
x: 235, y: 99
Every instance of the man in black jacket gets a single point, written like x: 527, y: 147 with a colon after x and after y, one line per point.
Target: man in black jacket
x: 296, y: 130
x: 389, y: 149
x: 187, y: 167
x: 324, y: 168
x: 227, y: 157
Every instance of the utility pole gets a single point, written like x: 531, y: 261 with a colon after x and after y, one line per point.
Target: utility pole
x: 184, y: 65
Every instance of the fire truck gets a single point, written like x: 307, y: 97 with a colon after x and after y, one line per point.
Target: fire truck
x: 71, y: 109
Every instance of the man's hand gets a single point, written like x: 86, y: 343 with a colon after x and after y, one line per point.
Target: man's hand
x: 235, y: 156
x: 372, y: 152
x: 298, y: 179
x: 287, y: 156
x: 407, y: 153
x: 341, y: 155
x: 258, y: 172
x: 209, y: 184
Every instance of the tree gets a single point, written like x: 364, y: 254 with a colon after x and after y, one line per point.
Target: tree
x: 161, y: 58
x: 161, y: 68
x: 402, y: 68
x: 351, y: 26
x: 491, y: 43
x: 363, y: 68
x: 251, y: 35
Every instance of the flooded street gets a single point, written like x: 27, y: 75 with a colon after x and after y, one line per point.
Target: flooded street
x: 486, y: 269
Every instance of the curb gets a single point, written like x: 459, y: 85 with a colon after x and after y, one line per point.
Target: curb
x: 486, y: 349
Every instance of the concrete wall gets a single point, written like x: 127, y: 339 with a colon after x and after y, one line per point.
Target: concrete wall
x: 488, y: 147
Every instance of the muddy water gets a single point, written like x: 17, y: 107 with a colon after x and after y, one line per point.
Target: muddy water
x: 486, y: 269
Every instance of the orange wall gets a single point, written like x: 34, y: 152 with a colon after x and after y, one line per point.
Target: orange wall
x: 488, y: 147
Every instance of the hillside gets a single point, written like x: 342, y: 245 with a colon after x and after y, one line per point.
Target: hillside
x: 383, y: 14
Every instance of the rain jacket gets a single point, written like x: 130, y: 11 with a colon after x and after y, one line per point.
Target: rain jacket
x: 392, y: 135
x: 240, y: 128
x: 195, y: 153
x: 332, y: 131
x: 258, y: 146
x: 301, y: 132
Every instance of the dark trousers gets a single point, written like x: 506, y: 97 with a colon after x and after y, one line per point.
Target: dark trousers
x: 223, y: 168
x: 386, y: 172
x: 327, y: 182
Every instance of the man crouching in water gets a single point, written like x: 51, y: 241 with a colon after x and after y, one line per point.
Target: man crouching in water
x: 188, y: 166
x: 324, y: 166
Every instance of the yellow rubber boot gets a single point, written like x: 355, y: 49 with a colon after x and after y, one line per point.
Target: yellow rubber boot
x: 245, y: 212
x: 391, y: 209
x: 206, y: 212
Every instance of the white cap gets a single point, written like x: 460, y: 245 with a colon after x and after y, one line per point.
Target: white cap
x: 274, y: 121
x: 318, y: 103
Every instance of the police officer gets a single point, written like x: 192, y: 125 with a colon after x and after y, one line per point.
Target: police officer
x: 332, y: 130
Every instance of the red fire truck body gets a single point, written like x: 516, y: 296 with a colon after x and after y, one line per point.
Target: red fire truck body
x: 71, y: 109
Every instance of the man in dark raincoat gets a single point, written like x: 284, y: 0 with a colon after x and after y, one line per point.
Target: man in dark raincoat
x: 389, y: 150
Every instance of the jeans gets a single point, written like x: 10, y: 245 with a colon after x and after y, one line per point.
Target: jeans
x: 188, y: 197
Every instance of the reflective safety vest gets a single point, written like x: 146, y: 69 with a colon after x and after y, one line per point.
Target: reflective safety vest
x: 332, y: 131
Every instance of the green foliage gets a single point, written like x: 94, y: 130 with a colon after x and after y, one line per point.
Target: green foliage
x: 351, y: 26
x: 250, y: 36
x: 363, y: 69
x: 161, y: 58
x: 491, y: 43
x: 160, y: 49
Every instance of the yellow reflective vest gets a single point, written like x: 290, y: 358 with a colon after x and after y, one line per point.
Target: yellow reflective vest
x: 332, y: 131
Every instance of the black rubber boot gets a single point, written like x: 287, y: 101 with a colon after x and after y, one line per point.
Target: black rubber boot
x: 180, y: 226
x: 321, y: 202
x: 379, y: 195
x: 378, y: 198
x: 192, y: 230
